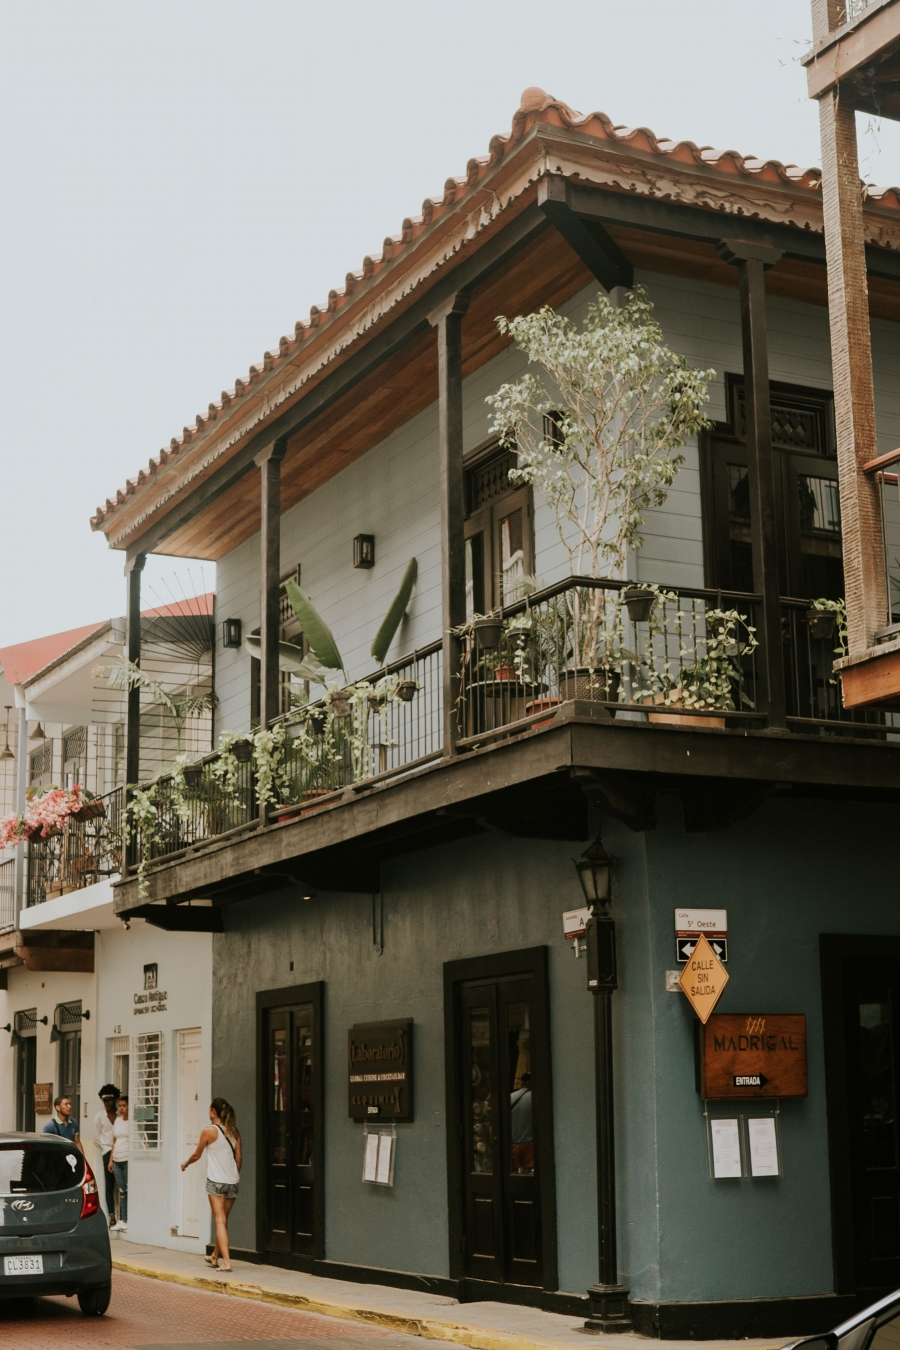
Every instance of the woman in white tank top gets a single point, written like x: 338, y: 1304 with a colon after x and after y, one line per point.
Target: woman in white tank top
x: 222, y: 1142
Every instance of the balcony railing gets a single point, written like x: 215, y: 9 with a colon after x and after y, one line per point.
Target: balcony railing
x: 82, y: 853
x: 638, y: 653
x: 325, y: 746
x: 7, y: 894
x: 676, y: 657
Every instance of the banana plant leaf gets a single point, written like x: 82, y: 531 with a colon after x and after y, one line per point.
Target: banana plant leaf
x: 291, y: 657
x: 391, y: 621
x: 315, y: 629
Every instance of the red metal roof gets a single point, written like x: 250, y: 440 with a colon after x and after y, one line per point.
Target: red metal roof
x: 25, y: 659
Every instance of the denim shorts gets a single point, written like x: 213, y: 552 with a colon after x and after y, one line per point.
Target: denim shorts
x: 227, y: 1189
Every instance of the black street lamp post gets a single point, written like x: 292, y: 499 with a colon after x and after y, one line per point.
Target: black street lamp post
x: 608, y: 1298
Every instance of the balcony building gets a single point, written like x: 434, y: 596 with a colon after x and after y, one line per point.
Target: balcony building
x: 398, y: 891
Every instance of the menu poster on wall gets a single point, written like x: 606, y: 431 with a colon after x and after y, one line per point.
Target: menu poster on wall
x: 763, y: 1138
x: 725, y: 1143
x: 378, y: 1158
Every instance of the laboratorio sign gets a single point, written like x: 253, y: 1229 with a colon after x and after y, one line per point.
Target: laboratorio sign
x: 154, y: 1001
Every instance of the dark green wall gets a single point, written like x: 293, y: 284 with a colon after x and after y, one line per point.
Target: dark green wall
x: 791, y: 872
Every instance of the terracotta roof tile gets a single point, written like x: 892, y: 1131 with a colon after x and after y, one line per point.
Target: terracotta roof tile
x: 535, y: 107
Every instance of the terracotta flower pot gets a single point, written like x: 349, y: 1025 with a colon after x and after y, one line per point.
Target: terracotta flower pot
x: 406, y: 690
x: 340, y: 705
x: 674, y: 712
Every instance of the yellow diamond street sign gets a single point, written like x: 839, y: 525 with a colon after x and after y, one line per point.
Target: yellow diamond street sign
x: 703, y: 979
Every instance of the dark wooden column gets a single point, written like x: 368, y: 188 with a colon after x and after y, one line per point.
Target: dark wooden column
x: 134, y: 566
x: 448, y: 322
x: 751, y: 260
x: 269, y: 463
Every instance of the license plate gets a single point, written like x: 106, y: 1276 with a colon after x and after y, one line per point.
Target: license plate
x: 23, y: 1265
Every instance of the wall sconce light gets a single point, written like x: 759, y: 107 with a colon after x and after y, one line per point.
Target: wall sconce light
x: 364, y: 550
x: 231, y: 633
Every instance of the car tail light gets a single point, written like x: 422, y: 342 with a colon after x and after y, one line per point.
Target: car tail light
x: 90, y: 1196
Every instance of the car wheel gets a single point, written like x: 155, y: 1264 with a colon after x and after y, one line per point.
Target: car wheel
x: 94, y: 1300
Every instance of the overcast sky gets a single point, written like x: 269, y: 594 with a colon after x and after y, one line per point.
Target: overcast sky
x: 182, y: 179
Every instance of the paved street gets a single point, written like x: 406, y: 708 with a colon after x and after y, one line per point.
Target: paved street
x: 162, y: 1316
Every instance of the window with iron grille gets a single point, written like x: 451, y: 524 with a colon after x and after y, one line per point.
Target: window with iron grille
x: 75, y: 744
x: 25, y: 1023
x: 144, y: 1106
x: 42, y: 764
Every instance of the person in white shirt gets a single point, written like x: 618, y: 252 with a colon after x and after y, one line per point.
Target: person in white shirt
x: 118, y: 1160
x: 103, y: 1139
x: 224, y: 1156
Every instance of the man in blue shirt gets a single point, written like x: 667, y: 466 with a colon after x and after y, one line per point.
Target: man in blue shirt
x: 61, y: 1121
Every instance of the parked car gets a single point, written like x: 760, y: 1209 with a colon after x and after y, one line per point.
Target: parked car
x: 53, y: 1233
x: 875, y: 1328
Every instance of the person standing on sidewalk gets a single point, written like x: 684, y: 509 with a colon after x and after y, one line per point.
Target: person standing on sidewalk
x: 103, y: 1138
x: 61, y: 1122
x: 224, y: 1156
x: 118, y: 1161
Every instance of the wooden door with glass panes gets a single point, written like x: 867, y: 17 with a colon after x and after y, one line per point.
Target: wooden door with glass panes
x: 290, y: 1115
x: 807, y: 504
x: 499, y: 534
x: 502, y: 1091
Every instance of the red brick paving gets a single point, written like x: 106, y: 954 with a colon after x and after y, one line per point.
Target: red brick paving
x: 156, y: 1313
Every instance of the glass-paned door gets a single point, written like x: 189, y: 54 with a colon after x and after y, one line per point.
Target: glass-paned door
x: 872, y: 1028
x: 291, y: 1110
x: 502, y: 1103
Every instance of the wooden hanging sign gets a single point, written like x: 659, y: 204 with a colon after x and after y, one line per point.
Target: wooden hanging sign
x: 753, y: 1055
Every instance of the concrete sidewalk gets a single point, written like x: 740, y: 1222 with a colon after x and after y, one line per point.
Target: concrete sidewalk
x: 483, y: 1326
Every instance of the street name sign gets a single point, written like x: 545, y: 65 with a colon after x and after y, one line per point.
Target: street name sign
x: 753, y: 1055
x: 690, y: 923
x: 703, y: 979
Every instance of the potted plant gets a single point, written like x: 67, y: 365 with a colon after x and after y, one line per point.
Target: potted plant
x: 707, y: 683
x: 596, y: 423
x: 825, y: 617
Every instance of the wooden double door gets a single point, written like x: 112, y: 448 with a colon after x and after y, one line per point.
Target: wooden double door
x: 291, y: 1190
x: 501, y: 1166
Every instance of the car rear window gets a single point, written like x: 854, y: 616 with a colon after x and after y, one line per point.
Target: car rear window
x: 34, y: 1169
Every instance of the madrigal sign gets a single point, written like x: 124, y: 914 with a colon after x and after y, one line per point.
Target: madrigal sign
x: 379, y: 1060
x: 753, y: 1055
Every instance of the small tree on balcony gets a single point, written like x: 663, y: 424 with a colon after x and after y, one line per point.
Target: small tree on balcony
x: 597, y: 423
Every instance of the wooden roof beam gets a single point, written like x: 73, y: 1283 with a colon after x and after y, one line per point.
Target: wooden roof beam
x: 857, y: 55
x: 585, y: 236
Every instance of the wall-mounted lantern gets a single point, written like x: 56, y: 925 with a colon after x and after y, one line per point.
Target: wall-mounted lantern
x: 231, y: 633
x: 364, y: 550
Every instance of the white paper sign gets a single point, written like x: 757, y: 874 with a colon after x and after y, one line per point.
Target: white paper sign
x: 763, y: 1146
x: 726, y: 1148
x: 370, y: 1163
x: 385, y: 1149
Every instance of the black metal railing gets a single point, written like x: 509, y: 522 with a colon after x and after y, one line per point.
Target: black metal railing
x: 812, y: 644
x: 679, y: 656
x: 653, y: 654
x: 210, y: 803
x: 7, y: 894
x: 380, y: 726
x: 84, y: 851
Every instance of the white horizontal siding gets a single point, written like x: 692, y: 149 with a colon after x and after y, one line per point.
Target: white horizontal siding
x: 392, y: 491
